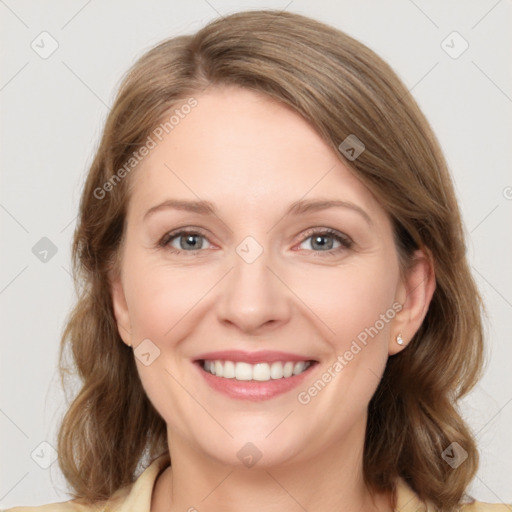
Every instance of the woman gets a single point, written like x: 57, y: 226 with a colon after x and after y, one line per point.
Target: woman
x: 276, y: 297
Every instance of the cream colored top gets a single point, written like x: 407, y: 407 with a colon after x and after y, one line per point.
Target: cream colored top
x: 136, y: 497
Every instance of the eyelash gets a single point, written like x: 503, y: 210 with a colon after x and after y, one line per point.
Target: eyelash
x: 345, y: 241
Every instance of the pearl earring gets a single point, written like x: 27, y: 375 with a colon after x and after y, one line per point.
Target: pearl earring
x: 399, y: 339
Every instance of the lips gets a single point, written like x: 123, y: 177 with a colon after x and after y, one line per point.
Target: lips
x: 262, y: 356
x: 253, y: 375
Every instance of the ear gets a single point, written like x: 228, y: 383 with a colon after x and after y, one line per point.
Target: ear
x: 121, y: 312
x: 414, y: 293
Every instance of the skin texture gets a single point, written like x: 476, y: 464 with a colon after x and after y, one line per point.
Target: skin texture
x: 252, y: 157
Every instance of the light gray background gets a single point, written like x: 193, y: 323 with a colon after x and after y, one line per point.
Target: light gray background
x: 53, y: 110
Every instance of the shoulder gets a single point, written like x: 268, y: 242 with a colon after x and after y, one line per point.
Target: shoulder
x: 110, y: 505
x: 64, y: 506
x: 408, y: 501
x: 479, y: 506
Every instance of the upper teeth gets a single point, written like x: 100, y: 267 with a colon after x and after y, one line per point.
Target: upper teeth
x: 258, y: 371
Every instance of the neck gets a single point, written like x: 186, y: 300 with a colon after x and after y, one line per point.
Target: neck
x: 333, y: 480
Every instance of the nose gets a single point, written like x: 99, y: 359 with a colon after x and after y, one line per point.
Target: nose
x: 255, y: 297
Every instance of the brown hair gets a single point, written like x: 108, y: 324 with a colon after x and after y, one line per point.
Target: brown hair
x: 342, y: 88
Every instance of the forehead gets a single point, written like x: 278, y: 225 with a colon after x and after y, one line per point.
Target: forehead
x: 243, y: 148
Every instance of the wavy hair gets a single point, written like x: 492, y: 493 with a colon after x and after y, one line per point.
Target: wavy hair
x: 341, y: 88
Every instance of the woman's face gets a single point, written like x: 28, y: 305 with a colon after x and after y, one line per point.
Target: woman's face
x: 268, y: 278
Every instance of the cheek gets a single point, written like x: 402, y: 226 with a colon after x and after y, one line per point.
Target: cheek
x: 356, y: 304
x: 352, y: 300
x: 159, y: 298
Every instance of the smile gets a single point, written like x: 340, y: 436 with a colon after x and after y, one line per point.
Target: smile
x: 261, y: 372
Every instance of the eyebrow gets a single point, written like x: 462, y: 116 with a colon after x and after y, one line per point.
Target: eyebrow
x: 296, y: 208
